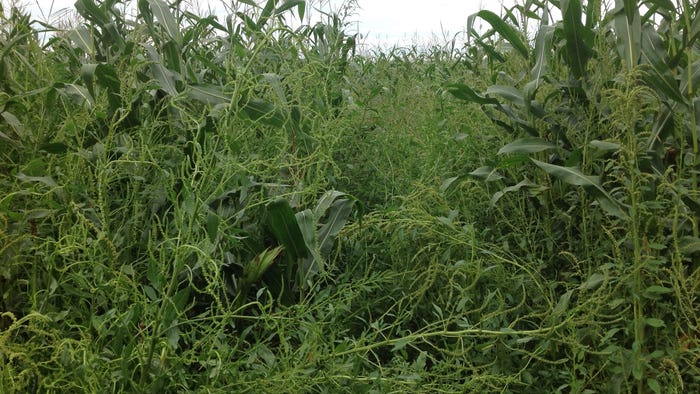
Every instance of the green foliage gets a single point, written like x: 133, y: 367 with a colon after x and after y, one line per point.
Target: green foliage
x: 189, y: 203
x: 607, y: 114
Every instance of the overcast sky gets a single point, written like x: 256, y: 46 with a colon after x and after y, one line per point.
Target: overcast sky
x: 383, y: 22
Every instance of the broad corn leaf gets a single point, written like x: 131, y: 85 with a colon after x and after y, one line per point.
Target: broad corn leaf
x: 526, y: 146
x: 574, y: 176
x: 578, y: 51
x: 628, y: 28
x: 284, y: 226
x: 505, y: 30
x: 161, y: 11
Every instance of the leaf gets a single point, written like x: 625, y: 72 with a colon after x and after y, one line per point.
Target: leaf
x: 326, y: 201
x: 690, y: 81
x: 207, y: 93
x: 486, y: 173
x: 105, y: 75
x: 653, y: 322
x: 212, y: 226
x: 543, y: 49
x: 563, y: 303
x: 161, y: 11
x: 264, y: 111
x: 655, y: 292
x: 578, y: 51
x: 255, y: 268
x: 605, y: 146
x: 12, y: 120
x: 689, y: 245
x: 289, y: 4
x: 82, y: 38
x: 573, y: 176
x: 465, y: 93
x: 505, y: 31
x: 400, y: 344
x: 526, y: 146
x: 337, y: 217
x: 593, y: 282
x: 283, y: 225
x: 628, y: 31
x: 658, y: 74
x: 165, y: 77
x: 46, y: 180
x: 265, y: 14
x: 54, y: 148
x: 522, y: 184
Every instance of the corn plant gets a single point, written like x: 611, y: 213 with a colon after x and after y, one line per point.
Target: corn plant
x: 606, y: 105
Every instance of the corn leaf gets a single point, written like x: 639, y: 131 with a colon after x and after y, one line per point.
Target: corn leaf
x: 465, y: 93
x: 505, y: 30
x: 526, y: 146
x: 574, y: 176
x: 578, y: 51
x: 284, y: 226
x: 161, y: 11
x: 628, y: 29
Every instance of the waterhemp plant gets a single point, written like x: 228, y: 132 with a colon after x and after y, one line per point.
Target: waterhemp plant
x: 605, y: 102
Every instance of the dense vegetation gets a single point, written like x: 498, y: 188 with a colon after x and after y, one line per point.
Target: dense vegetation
x: 240, y: 205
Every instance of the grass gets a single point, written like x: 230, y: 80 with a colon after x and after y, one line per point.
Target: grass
x: 194, y: 206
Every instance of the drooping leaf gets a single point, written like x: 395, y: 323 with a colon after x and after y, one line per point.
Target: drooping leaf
x: 337, y: 217
x: 658, y: 73
x: 289, y: 4
x: 89, y: 10
x: 505, y: 31
x: 605, y: 146
x: 82, y: 38
x: 326, y: 201
x: 210, y: 94
x: 510, y: 93
x: 526, y: 183
x: 15, y: 123
x: 574, y: 176
x: 264, y: 111
x: 266, y: 13
x: 570, y: 175
x: 464, y: 92
x: 77, y: 93
x: 165, y: 77
x: 489, y: 174
x: 526, y: 146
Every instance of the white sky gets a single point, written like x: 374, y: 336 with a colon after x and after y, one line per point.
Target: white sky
x: 381, y: 22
